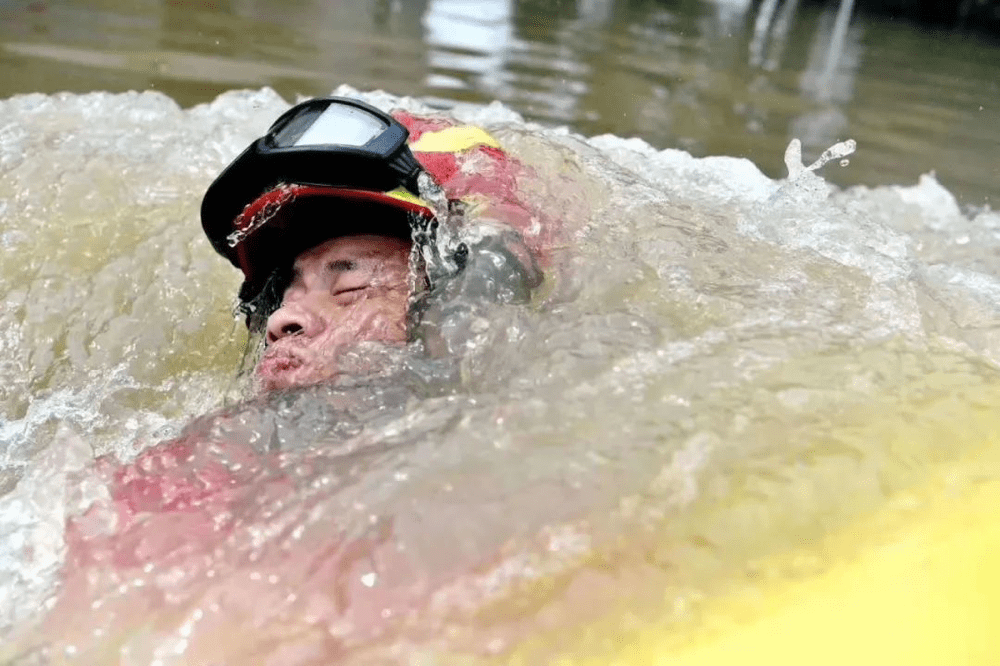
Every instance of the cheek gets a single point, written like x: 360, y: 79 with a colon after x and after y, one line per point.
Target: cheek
x: 379, y: 317
x: 386, y: 318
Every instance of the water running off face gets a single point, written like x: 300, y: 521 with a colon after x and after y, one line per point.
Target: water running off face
x: 718, y: 366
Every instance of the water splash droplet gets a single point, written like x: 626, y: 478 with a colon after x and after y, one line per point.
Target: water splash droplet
x: 245, y: 227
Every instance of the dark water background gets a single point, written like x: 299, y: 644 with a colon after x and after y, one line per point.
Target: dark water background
x: 713, y: 77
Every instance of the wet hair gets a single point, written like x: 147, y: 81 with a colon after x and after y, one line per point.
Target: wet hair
x: 256, y: 309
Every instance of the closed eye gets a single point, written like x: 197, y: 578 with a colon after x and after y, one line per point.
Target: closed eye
x: 350, y: 295
x: 347, y: 290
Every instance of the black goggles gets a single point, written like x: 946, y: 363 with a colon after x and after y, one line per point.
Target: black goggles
x: 324, y: 143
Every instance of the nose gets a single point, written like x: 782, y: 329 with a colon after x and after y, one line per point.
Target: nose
x: 295, y: 318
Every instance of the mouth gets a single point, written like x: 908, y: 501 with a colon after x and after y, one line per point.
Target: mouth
x: 277, y: 362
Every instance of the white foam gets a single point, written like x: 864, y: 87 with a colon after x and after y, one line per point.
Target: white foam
x: 58, y: 483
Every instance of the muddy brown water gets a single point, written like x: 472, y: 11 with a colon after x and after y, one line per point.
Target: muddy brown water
x: 722, y: 77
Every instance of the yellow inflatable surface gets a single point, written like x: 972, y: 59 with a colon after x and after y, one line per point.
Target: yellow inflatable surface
x: 929, y: 596
x: 915, y: 582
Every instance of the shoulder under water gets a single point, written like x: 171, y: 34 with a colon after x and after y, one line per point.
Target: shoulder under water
x: 717, y: 367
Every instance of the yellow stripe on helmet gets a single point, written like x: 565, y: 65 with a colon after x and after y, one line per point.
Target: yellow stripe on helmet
x: 401, y: 194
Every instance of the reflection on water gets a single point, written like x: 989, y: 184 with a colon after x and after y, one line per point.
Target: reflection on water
x: 726, y: 77
x: 469, y: 36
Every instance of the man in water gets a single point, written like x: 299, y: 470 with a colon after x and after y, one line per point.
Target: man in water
x: 336, y: 250
x: 324, y: 217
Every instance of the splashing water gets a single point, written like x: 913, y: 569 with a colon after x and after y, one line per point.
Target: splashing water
x: 793, y: 156
x: 285, y: 196
x: 718, y: 367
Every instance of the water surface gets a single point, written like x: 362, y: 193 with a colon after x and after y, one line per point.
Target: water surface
x: 720, y: 369
x: 723, y: 374
x: 723, y: 77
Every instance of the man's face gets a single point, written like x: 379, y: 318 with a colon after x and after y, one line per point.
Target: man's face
x: 343, y: 291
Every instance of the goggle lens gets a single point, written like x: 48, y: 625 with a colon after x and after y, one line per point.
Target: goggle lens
x: 337, y: 125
